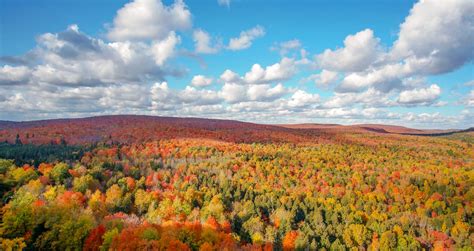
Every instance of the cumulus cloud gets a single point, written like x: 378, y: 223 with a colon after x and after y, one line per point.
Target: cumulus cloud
x: 423, y: 119
x: 149, y: 19
x: 72, y: 74
x: 265, y: 92
x: 324, y: 78
x: 229, y: 76
x: 203, y: 41
x: 164, y: 49
x: 257, y: 103
x: 164, y: 98
x: 435, y: 38
x: 372, y: 97
x: 285, y: 47
x: 369, y: 98
x: 277, y: 72
x: 71, y: 58
x: 246, y: 38
x: 359, y: 52
x: 201, y: 81
x: 303, y: 99
x: 76, y: 100
x: 327, y: 77
x: 438, y: 35
x: 206, y: 97
x: 14, y: 75
x: 420, y: 96
x: 385, y: 78
x: 233, y: 93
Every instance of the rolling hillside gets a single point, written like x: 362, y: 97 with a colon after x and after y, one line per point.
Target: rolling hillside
x: 133, y: 128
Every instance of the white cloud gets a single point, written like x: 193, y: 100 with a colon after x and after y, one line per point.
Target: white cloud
x: 442, y: 44
x: 77, y: 100
x: 165, y: 98
x: 283, y: 70
x: 201, y: 81
x: 327, y: 77
x: 233, y: 93
x: 72, y: 74
x: 162, y: 97
x: 285, y: 47
x: 256, y: 74
x: 191, y: 95
x: 369, y: 98
x: 324, y: 78
x: 246, y: 38
x: 149, y: 19
x: 302, y: 99
x: 384, y: 78
x: 229, y: 76
x: 440, y: 104
x: 164, y: 49
x: 71, y: 58
x: 265, y: 92
x: 13, y: 75
x: 469, y: 100
x: 436, y: 120
x: 123, y: 97
x: 256, y: 103
x: 254, y: 109
x: 420, y: 96
x: 224, y: 3
x: 203, y: 41
x: 359, y: 52
x: 438, y: 35
x: 280, y: 71
x: 469, y: 83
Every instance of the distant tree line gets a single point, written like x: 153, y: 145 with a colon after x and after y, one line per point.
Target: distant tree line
x: 36, y: 154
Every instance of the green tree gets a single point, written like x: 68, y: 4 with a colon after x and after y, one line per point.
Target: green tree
x: 60, y: 173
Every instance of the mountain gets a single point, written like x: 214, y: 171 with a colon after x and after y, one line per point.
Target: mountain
x: 139, y: 128
x: 391, y: 129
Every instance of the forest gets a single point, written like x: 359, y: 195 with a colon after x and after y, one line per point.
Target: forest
x: 289, y: 189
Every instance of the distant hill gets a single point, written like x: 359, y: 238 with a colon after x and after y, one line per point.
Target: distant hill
x: 392, y: 129
x: 138, y: 128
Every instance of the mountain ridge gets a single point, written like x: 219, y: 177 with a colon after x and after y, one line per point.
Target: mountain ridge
x: 137, y: 128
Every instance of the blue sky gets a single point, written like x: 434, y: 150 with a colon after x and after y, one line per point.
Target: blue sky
x: 67, y: 59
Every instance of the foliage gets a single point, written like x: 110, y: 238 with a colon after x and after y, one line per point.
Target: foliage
x: 36, y: 154
x: 368, y: 192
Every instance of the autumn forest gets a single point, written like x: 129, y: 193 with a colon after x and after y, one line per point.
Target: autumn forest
x: 150, y: 183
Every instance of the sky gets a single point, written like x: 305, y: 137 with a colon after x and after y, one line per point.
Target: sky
x: 404, y: 63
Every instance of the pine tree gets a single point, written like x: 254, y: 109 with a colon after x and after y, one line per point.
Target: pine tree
x: 17, y: 140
